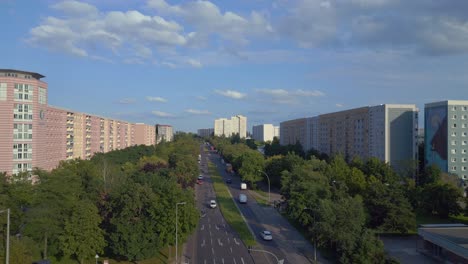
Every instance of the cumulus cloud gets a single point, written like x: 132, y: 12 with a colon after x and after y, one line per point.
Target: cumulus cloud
x: 231, y: 94
x: 162, y: 114
x: 127, y: 101
x: 339, y: 105
x: 156, y: 99
x: 198, y: 112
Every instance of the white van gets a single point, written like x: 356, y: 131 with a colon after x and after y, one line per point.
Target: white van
x: 242, y: 198
x: 243, y: 186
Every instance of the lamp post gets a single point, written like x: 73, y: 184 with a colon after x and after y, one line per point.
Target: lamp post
x: 268, y: 178
x: 176, y: 221
x: 315, y: 238
x: 96, y: 257
x: 7, y: 257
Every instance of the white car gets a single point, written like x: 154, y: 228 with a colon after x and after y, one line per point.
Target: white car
x: 266, y: 235
x: 213, y: 204
x: 200, y: 177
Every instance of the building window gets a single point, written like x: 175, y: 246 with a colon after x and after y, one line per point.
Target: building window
x: 463, y: 151
x: 22, y: 112
x: 42, y: 99
x: 454, y: 125
x: 22, y: 131
x: 23, y: 92
x: 464, y: 142
x: 454, y: 151
x: 3, y: 91
x: 454, y: 142
x: 463, y: 117
x: 454, y: 168
x: 464, y: 134
x: 464, y: 168
x: 454, y: 108
x: 454, y: 134
x: 454, y: 159
x: 454, y: 117
x: 463, y: 159
x: 464, y: 108
x: 464, y: 176
x: 463, y: 125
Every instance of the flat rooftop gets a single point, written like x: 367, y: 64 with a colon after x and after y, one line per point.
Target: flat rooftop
x: 451, y: 237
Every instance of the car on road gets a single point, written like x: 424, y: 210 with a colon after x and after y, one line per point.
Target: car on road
x: 243, y: 186
x: 242, y: 198
x: 266, y: 235
x: 229, y: 181
x: 200, y: 182
x: 200, y: 177
x: 213, y: 204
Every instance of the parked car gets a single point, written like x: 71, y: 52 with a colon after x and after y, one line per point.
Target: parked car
x: 213, y: 204
x: 229, y: 181
x: 242, y: 198
x: 266, y: 235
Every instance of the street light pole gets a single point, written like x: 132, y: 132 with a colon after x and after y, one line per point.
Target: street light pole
x: 96, y: 257
x: 7, y: 257
x: 268, y: 178
x: 176, y: 253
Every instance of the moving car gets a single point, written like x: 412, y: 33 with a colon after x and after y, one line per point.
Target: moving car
x: 266, y: 235
x: 243, y: 186
x: 228, y: 181
x: 200, y: 177
x: 242, y: 198
x: 213, y: 204
x: 200, y: 182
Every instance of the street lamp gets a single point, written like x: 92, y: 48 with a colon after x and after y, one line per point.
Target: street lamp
x: 315, y: 237
x: 96, y: 257
x: 176, y: 221
x: 268, y: 178
x: 7, y: 257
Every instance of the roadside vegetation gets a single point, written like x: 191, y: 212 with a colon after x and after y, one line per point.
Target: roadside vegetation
x: 119, y: 205
x: 228, y: 207
x: 342, y: 203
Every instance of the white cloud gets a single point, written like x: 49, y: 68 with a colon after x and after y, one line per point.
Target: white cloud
x: 282, y: 96
x: 231, y: 94
x: 127, y: 101
x: 339, y: 105
x: 194, y: 63
x: 161, y: 114
x: 156, y: 99
x: 198, y: 112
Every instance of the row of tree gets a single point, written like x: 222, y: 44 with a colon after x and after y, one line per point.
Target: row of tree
x: 341, y: 204
x: 119, y: 204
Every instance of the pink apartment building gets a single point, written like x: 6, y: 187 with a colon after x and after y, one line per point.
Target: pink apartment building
x: 34, y: 134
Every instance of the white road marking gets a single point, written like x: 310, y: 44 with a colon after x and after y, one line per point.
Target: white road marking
x: 229, y: 240
x: 242, y: 260
x: 237, y: 243
x: 219, y: 242
x: 212, y: 250
x: 209, y: 226
x: 208, y: 219
x: 203, y: 244
x: 231, y: 249
x: 234, y: 261
x: 203, y: 227
x: 210, y: 232
x: 211, y: 241
x: 214, y: 261
x: 222, y: 260
x: 216, y: 226
x: 204, y: 261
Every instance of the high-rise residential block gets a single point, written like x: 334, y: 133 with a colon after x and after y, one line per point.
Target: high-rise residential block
x: 228, y: 127
x: 164, y: 132
x: 388, y: 132
x: 446, y: 136
x: 263, y: 133
x: 34, y: 134
x: 144, y: 134
x: 205, y: 132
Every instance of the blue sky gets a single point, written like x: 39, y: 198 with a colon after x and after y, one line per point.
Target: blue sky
x: 186, y: 63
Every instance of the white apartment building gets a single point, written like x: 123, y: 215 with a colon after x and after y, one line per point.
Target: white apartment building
x: 263, y: 133
x: 227, y: 127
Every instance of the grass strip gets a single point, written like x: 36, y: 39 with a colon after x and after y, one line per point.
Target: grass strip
x: 261, y: 197
x: 228, y: 207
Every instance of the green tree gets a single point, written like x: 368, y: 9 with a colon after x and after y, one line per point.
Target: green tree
x: 441, y: 199
x: 82, y: 238
x: 251, y: 165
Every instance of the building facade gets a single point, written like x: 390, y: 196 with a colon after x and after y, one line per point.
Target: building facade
x: 228, y: 127
x: 36, y: 135
x: 205, y: 132
x: 164, y: 132
x: 293, y: 131
x: 446, y: 136
x: 263, y: 133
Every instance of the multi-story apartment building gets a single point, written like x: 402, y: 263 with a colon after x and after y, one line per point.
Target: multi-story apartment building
x: 293, y: 131
x: 164, y: 132
x: 263, y: 133
x: 227, y: 127
x: 276, y: 132
x: 446, y: 136
x: 144, y: 134
x: 34, y: 134
x: 205, y: 132
x: 388, y: 132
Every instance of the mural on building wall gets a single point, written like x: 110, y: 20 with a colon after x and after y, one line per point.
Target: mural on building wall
x: 436, y: 135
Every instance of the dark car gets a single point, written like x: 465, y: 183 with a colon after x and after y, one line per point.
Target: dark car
x: 228, y: 181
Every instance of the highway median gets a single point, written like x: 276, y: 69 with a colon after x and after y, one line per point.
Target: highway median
x: 228, y: 207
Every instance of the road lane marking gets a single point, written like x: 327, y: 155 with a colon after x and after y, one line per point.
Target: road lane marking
x: 219, y: 242
x: 203, y: 244
x: 202, y: 228
x: 234, y: 260
x: 210, y: 232
x: 209, y: 226
x: 204, y: 261
x: 212, y: 250
x: 226, y: 232
x: 229, y: 241
x: 231, y: 249
x: 211, y: 241
x: 237, y: 243
x: 214, y: 261
x: 242, y: 260
x: 222, y: 260
x: 216, y: 226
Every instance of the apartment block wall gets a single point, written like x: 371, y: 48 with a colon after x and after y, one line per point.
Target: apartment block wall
x: 56, y: 137
x: 205, y: 132
x: 263, y: 133
x: 293, y: 131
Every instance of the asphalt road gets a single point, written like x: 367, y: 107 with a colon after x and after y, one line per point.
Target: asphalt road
x: 288, y: 244
x: 214, y: 241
